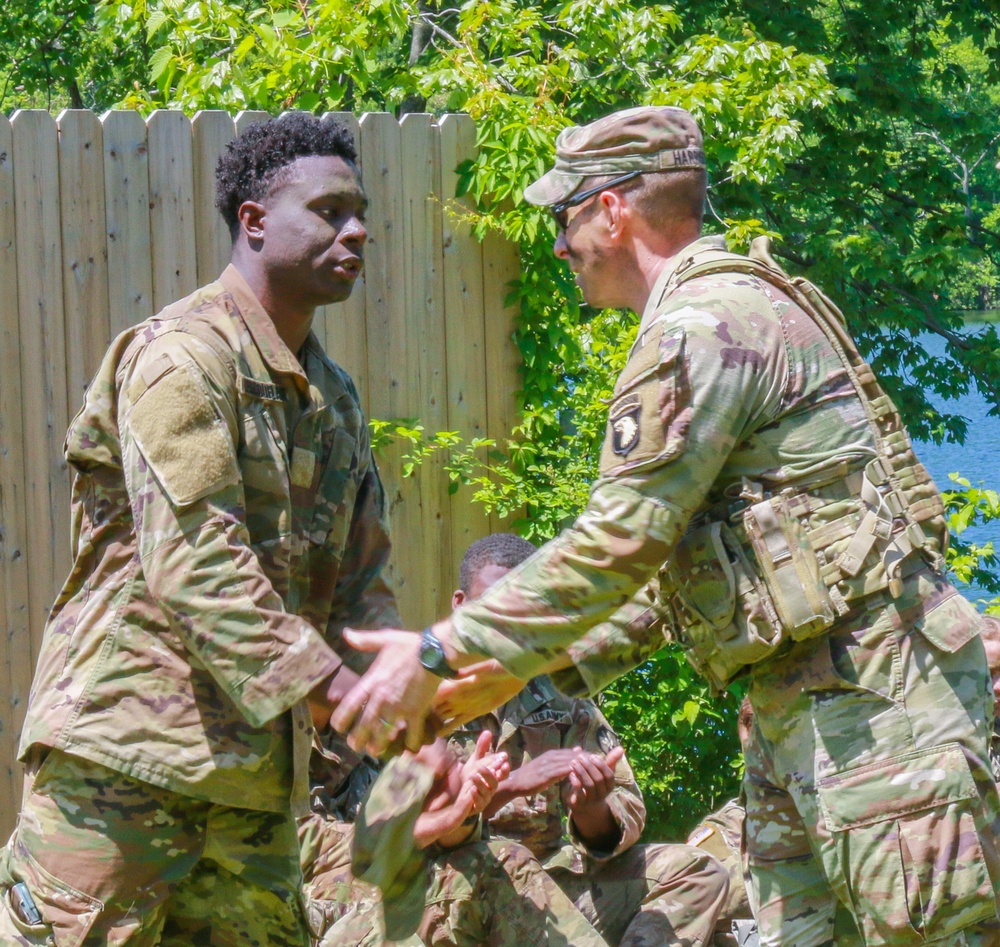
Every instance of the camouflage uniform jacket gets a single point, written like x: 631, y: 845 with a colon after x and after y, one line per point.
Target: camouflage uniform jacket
x: 537, y: 720
x: 728, y: 380
x: 227, y: 524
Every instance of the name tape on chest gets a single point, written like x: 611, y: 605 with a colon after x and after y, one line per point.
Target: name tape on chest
x: 545, y: 715
x: 261, y: 390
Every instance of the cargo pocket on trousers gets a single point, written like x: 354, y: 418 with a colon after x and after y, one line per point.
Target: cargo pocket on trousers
x: 904, y: 831
x: 67, y: 915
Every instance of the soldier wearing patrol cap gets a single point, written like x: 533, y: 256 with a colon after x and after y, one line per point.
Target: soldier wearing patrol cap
x: 756, y: 471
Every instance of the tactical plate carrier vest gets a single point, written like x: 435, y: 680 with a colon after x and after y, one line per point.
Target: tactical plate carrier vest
x: 760, y: 570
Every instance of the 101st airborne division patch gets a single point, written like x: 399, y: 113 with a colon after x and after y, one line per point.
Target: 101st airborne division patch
x: 624, y: 422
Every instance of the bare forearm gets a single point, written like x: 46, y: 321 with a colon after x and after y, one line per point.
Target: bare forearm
x: 597, y: 827
x: 445, y: 826
x: 459, y: 835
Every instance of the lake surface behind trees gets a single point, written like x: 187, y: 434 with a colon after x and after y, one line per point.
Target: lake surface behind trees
x: 977, y: 459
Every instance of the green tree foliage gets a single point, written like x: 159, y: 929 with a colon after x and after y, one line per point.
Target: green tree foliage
x: 58, y: 54
x: 861, y: 134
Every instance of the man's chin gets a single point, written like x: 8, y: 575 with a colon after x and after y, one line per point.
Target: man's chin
x: 337, y: 294
x: 581, y: 286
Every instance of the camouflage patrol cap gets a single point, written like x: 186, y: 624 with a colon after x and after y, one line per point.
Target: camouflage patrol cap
x: 647, y: 138
x: 384, y: 852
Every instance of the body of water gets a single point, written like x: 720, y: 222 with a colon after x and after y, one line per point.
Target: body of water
x: 977, y: 459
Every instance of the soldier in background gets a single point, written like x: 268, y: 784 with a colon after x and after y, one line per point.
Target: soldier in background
x: 755, y: 468
x: 227, y: 523
x: 440, y: 883
x: 991, y: 641
x: 572, y: 800
x: 721, y: 834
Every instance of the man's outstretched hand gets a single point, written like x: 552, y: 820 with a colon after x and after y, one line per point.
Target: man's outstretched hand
x: 478, y: 689
x: 392, y: 699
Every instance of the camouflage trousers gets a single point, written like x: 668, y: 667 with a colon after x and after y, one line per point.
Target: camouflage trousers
x: 651, y: 895
x: 872, y: 815
x: 110, y: 860
x: 482, y: 893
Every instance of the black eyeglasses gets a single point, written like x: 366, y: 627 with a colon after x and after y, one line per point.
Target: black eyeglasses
x: 559, y: 210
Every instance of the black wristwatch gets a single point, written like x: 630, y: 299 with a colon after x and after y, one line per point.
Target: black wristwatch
x: 432, y: 655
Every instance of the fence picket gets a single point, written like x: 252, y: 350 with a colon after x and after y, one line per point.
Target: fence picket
x: 425, y: 379
x: 171, y: 207
x: 211, y: 131
x: 462, y: 259
x: 126, y: 188
x: 15, y: 635
x: 84, y: 248
x: 43, y: 357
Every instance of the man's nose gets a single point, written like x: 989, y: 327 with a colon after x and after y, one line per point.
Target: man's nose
x: 354, y: 233
x: 559, y: 248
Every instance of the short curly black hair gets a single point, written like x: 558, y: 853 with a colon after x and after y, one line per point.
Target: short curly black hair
x: 498, y: 549
x: 251, y: 163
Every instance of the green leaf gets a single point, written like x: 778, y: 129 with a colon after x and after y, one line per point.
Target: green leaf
x: 156, y: 19
x: 159, y: 61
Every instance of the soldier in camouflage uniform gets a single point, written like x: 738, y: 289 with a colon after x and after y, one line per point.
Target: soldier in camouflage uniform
x: 572, y: 800
x: 991, y: 641
x: 721, y: 834
x: 227, y: 523
x: 462, y: 891
x: 756, y: 469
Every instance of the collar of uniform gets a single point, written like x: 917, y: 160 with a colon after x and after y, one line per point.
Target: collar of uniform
x: 538, y: 692
x: 313, y: 356
x: 670, y: 269
x: 277, y: 356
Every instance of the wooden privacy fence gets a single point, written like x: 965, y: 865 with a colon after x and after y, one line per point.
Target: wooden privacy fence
x: 103, y: 221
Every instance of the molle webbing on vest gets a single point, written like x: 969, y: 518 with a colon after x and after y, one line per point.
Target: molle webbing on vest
x: 754, y: 574
x: 897, y: 491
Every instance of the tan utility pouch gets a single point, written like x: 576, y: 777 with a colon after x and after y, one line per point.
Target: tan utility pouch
x: 724, y: 615
x: 789, y: 568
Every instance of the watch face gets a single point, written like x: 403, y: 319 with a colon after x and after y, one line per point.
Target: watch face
x: 432, y: 655
x: 431, y: 652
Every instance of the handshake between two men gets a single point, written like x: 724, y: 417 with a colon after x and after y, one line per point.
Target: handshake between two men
x: 398, y: 703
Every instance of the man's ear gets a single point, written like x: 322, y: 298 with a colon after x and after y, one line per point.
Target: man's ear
x: 457, y: 598
x: 618, y: 211
x: 251, y: 217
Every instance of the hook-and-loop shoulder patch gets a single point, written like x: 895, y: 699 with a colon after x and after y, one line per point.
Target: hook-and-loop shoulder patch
x: 647, y: 419
x: 181, y: 434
